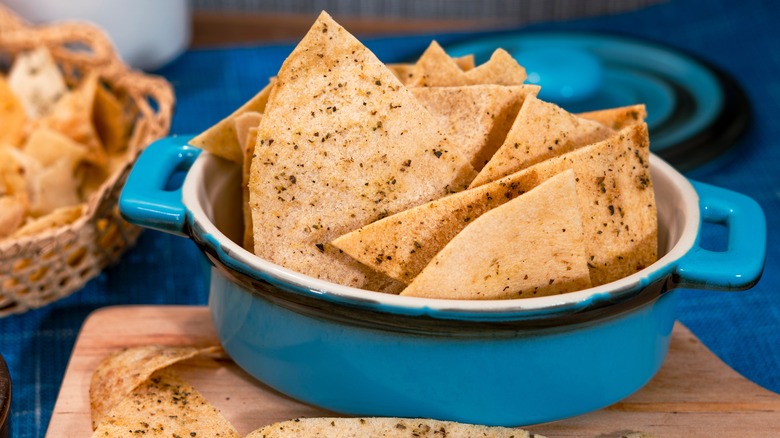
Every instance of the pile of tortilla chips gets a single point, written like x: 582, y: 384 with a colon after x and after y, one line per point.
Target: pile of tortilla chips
x: 58, y: 144
x: 439, y: 178
x: 135, y: 392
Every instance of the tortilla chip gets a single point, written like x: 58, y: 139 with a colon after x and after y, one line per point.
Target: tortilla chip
x: 616, y: 201
x: 402, y: 245
x: 405, y: 72
x: 164, y: 406
x: 122, y: 372
x: 53, y: 220
x: 530, y: 246
x: 243, y: 123
x: 14, y: 173
x: 436, y: 69
x: 341, y: 143
x: 501, y: 69
x: 476, y: 117
x: 221, y: 139
x: 111, y: 120
x: 541, y: 130
x: 72, y: 116
x: 54, y: 187
x: 13, y: 210
x: 37, y: 81
x: 12, y: 116
x: 249, y: 151
x: 618, y: 118
x: 384, y: 427
x: 48, y: 146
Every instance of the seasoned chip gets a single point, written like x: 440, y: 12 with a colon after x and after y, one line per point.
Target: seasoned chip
x: 501, y: 69
x: 618, y: 118
x: 12, y: 116
x: 122, y: 372
x: 57, y: 218
x: 384, y: 427
x: 541, y: 130
x: 164, y: 406
x: 72, y: 116
x: 530, y: 246
x: 436, y: 69
x: 243, y: 124
x: 222, y: 139
x: 616, y: 201
x: 401, y: 245
x: 341, y: 143
x: 405, y: 72
x: 112, y: 120
x: 476, y: 117
x: 36, y: 79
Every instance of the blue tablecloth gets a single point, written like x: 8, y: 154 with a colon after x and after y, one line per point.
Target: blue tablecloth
x: 741, y: 328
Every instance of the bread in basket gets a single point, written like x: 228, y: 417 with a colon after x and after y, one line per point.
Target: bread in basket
x: 47, y: 262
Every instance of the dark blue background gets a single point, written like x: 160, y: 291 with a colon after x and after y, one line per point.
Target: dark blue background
x: 742, y: 328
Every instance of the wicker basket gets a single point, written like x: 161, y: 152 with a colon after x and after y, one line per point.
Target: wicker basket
x: 37, y: 270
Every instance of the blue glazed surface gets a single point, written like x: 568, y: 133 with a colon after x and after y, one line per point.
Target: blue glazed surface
x: 146, y: 200
x: 741, y: 264
x: 526, y: 378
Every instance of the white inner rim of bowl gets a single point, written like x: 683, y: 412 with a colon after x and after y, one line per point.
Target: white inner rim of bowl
x: 666, y: 180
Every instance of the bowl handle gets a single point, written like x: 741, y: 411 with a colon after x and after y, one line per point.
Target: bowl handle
x: 739, y: 267
x: 146, y: 199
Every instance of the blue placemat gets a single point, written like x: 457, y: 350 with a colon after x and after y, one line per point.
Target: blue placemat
x: 742, y: 328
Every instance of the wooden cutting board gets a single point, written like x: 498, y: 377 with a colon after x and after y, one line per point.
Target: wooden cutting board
x: 694, y: 394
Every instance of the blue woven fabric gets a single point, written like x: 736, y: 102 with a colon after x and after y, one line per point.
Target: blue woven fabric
x: 742, y: 328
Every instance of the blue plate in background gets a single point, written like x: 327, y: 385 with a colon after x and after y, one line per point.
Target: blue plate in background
x: 696, y: 112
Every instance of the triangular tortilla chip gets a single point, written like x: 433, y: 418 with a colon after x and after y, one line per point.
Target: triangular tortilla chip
x: 341, y: 143
x: 530, y: 246
x: 477, y: 117
x: 12, y: 116
x: 37, y: 81
x: 437, y: 69
x: 111, y: 119
x: 501, y: 69
x: 405, y: 72
x: 122, y: 372
x: 618, y: 118
x: 55, y: 187
x: 384, y: 427
x: 48, y: 146
x: 401, y: 245
x: 541, y: 130
x: 165, y: 406
x: 72, y: 116
x: 221, y: 139
x: 616, y: 200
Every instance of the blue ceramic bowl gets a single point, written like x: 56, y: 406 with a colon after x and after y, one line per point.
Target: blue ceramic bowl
x: 503, y: 362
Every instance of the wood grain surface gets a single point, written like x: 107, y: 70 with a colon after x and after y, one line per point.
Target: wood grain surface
x: 695, y: 393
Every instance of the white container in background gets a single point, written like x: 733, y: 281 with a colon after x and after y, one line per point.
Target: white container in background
x: 147, y: 33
